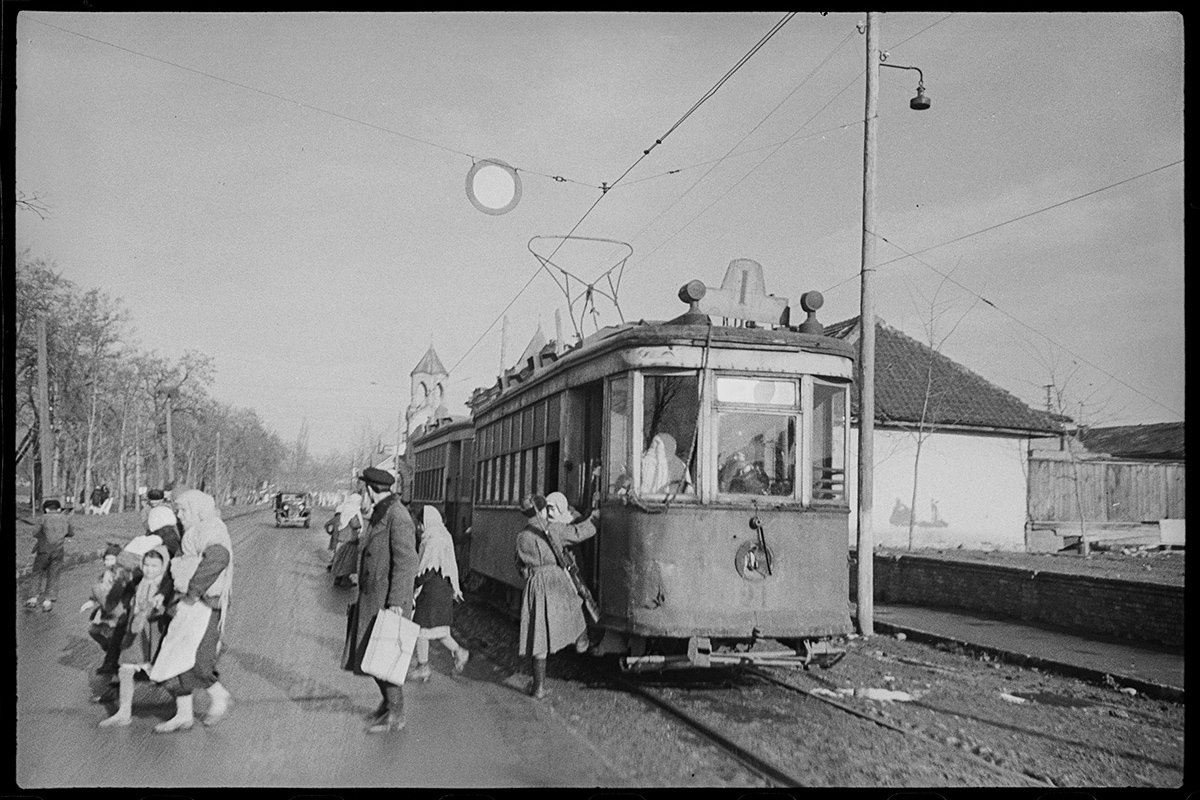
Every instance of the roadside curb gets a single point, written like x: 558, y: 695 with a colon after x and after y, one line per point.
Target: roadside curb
x: 74, y: 559
x: 1156, y: 691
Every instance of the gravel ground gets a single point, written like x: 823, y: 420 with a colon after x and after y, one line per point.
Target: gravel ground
x: 962, y: 731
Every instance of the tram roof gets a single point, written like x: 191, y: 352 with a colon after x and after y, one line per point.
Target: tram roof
x: 644, y: 333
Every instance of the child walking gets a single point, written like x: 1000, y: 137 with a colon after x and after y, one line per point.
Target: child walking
x: 148, y: 618
x: 49, y: 547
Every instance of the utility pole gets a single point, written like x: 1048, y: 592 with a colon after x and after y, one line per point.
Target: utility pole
x: 43, y: 475
x: 866, y: 346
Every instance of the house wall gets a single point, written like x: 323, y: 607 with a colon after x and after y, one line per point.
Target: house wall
x: 978, y: 483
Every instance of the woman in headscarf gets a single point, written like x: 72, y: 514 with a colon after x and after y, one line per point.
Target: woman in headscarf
x: 662, y: 469
x: 203, y: 573
x: 437, y: 589
x: 148, y: 618
x: 551, y: 610
x: 347, y: 526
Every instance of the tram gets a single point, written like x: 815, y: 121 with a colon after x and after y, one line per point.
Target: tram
x: 720, y: 451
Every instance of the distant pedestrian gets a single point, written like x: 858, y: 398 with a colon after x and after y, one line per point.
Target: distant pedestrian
x: 347, y: 526
x: 95, y: 501
x: 202, y: 574
x: 49, y: 548
x: 551, y: 609
x: 437, y: 591
x: 387, y: 571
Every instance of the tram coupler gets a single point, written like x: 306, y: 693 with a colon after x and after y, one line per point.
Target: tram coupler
x: 822, y: 654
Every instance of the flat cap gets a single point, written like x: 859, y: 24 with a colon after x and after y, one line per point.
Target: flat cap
x: 157, y: 494
x: 376, y: 477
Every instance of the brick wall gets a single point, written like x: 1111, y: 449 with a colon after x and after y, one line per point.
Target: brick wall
x: 1124, y: 609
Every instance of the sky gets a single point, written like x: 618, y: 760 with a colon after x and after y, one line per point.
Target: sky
x: 287, y: 192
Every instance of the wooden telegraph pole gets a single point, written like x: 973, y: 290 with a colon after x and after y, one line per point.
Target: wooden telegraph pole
x: 43, y: 476
x: 866, y: 346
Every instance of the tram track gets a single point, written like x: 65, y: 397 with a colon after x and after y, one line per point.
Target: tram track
x: 1020, y: 775
x: 751, y: 717
x: 708, y: 726
x: 773, y: 774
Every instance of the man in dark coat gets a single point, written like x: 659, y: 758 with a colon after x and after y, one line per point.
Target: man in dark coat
x: 387, y: 572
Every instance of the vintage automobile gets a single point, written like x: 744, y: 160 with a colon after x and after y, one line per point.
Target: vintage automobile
x: 292, y: 508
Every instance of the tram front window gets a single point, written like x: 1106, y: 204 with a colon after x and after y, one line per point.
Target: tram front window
x: 756, y: 454
x: 670, y: 407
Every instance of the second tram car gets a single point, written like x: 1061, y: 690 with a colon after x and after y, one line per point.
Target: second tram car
x: 721, y: 451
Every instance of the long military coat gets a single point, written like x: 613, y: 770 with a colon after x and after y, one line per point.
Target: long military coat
x: 387, y: 572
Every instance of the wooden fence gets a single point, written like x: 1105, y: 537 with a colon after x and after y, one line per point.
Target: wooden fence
x: 1109, y: 491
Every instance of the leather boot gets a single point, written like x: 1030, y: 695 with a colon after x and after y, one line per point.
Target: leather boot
x: 219, y: 706
x: 537, y: 689
x: 124, y: 714
x: 394, y: 719
x: 183, y: 719
x: 380, y: 711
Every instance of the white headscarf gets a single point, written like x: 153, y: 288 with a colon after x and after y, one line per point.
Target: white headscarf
x: 146, y: 589
x: 558, y: 509
x: 656, y: 472
x: 437, y: 548
x: 208, y: 529
x: 350, y: 509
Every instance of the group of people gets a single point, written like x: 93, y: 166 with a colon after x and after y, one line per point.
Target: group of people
x: 158, y: 608
x: 404, y: 562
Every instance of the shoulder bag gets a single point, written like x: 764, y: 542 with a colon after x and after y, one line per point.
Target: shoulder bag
x: 566, y: 560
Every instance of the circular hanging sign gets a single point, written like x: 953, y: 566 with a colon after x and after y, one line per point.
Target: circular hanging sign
x: 493, y: 186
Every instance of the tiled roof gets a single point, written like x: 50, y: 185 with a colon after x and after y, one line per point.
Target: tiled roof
x: 957, y: 396
x: 1162, y: 440
x: 430, y: 364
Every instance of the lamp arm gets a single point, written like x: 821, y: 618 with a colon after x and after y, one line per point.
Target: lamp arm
x: 920, y: 75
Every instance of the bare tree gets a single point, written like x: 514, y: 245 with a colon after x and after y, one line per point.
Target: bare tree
x: 935, y: 391
x: 27, y: 201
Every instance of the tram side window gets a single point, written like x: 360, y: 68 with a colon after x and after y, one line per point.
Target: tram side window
x: 670, y: 409
x: 617, y: 461
x: 829, y: 442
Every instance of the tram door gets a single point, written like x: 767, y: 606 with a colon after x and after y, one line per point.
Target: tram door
x: 583, y: 485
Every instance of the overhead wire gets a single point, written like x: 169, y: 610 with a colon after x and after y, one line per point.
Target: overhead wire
x: 604, y: 189
x: 1028, y: 327
x: 756, y: 166
x: 474, y: 158
x: 793, y: 136
x: 776, y: 147
x: 1006, y: 222
x: 915, y: 256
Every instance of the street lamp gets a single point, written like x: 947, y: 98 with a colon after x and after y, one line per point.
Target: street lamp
x: 919, y: 103
x: 865, y: 591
